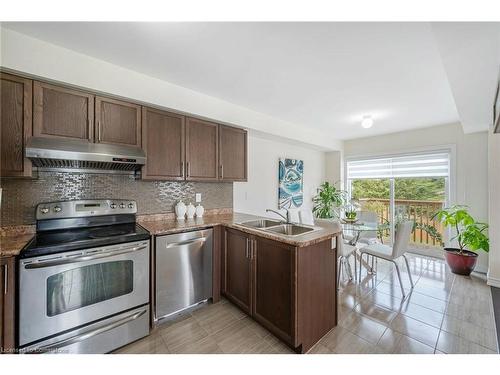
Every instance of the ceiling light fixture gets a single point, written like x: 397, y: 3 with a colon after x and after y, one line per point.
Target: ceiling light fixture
x: 367, y: 122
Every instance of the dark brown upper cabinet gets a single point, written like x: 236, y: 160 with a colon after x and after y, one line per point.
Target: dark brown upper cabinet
x: 16, y: 124
x: 232, y: 154
x: 62, y: 113
x: 163, y: 137
x: 117, y: 122
x: 201, y: 150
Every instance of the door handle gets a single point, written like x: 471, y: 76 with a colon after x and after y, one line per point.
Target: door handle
x: 95, y: 332
x: 98, y: 131
x: 84, y: 258
x: 187, y: 242
x: 5, y: 279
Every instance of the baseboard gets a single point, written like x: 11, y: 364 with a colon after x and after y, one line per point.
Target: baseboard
x: 492, y: 281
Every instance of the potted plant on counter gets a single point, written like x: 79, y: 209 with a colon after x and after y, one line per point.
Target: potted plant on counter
x: 328, y: 201
x: 470, y: 235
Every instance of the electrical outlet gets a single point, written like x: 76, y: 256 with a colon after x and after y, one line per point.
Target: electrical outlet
x: 197, y: 197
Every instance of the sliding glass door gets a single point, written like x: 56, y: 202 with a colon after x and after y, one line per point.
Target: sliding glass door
x: 374, y: 195
x: 403, y: 187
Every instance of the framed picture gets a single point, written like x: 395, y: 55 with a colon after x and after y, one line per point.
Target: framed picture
x: 496, y: 110
x: 291, y: 183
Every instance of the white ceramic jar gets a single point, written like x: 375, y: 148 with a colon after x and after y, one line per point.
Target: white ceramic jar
x: 180, y: 210
x: 191, y: 210
x: 200, y: 210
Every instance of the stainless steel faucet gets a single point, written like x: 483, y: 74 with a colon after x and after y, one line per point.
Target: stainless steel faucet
x: 286, y: 217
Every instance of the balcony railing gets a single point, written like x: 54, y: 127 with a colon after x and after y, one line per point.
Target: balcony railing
x: 427, y: 231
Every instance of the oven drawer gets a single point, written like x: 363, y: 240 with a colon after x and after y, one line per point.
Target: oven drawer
x: 98, y: 338
x: 59, y: 293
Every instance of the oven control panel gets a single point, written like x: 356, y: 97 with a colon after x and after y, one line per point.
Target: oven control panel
x: 85, y: 208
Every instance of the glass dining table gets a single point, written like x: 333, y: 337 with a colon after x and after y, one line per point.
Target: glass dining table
x: 351, y: 232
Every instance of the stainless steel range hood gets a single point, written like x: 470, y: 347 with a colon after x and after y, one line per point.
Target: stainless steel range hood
x: 49, y: 153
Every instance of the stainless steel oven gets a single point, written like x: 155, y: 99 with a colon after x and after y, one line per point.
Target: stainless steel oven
x: 61, y: 293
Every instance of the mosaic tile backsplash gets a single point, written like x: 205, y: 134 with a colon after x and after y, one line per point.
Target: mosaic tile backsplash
x: 20, y: 196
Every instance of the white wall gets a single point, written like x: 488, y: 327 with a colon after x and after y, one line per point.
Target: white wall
x: 261, y: 190
x: 470, y: 165
x: 335, y: 168
x: 28, y: 55
x: 494, y: 208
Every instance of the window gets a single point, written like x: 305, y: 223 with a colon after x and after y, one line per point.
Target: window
x: 87, y: 285
x: 402, y: 187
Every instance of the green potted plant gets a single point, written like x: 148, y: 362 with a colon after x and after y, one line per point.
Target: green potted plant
x: 351, y: 210
x: 328, y: 200
x: 470, y: 235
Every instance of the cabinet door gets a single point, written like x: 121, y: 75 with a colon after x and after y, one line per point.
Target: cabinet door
x: 232, y: 154
x: 16, y: 124
x: 201, y: 150
x: 117, y: 122
x: 237, y: 269
x: 163, y: 143
x: 274, y: 286
x: 7, y: 304
x: 62, y: 113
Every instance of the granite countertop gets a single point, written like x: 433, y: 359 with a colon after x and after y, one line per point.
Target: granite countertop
x: 161, y: 226
x: 13, y: 239
x: 11, y: 244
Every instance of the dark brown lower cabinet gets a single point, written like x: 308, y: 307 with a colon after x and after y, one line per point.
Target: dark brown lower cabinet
x: 274, y: 286
x: 237, y: 269
x: 7, y: 305
x: 289, y: 290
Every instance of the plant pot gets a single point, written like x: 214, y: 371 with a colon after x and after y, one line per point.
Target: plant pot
x: 460, y: 263
x: 351, y: 215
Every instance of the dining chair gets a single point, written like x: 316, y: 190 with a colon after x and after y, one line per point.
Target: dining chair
x: 392, y: 254
x: 344, y: 252
x: 368, y: 217
x: 306, y: 216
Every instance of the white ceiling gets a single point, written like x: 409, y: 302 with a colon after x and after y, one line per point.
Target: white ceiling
x: 324, y: 76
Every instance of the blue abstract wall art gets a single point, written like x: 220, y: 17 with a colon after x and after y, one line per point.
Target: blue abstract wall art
x: 291, y: 183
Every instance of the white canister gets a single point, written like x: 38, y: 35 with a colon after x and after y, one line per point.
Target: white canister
x: 180, y: 210
x: 190, y: 211
x: 199, y: 210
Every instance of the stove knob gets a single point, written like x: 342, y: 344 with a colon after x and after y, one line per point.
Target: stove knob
x: 131, y: 205
x: 44, y: 210
x: 122, y: 205
x: 112, y: 205
x: 57, y: 209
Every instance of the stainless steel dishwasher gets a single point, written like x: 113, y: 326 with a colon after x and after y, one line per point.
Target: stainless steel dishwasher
x: 183, y: 271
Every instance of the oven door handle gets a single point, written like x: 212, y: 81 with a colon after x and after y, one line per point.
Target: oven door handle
x: 87, y: 335
x: 84, y: 258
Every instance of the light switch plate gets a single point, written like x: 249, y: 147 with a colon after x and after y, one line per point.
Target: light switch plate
x: 197, y: 198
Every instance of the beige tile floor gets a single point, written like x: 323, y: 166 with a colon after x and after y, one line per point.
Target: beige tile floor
x: 444, y: 313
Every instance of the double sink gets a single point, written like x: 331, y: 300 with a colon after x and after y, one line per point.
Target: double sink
x: 278, y: 227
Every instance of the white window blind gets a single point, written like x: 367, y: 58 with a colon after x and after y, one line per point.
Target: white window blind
x: 418, y: 165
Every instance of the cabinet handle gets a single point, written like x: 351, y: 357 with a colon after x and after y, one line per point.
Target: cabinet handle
x: 5, y: 279
x: 182, y: 169
x: 222, y: 171
x: 247, y: 255
x: 254, y: 245
x: 98, y: 131
x: 188, y: 169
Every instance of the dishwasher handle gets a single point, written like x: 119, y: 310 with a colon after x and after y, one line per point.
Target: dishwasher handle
x: 200, y: 240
